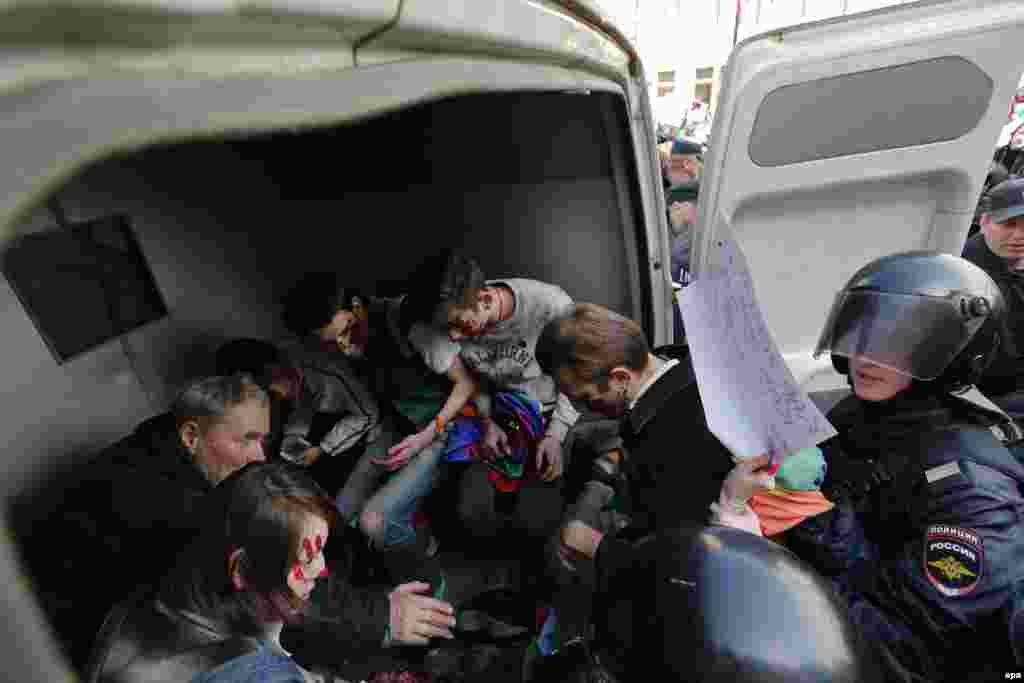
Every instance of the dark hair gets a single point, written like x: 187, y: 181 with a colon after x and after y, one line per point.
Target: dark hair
x: 316, y: 298
x: 259, y: 509
x: 449, y: 278
x: 587, y: 343
x: 209, y: 398
x: 251, y: 356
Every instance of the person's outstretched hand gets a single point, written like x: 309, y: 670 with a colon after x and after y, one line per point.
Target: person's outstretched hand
x: 416, y: 618
x: 403, y: 452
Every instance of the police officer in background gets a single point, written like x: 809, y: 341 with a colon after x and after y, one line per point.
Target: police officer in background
x: 999, y: 250
x: 925, y: 543
x: 714, y: 605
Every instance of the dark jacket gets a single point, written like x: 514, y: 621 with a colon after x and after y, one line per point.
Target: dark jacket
x: 924, y: 542
x: 151, y: 642
x: 332, y: 395
x: 123, y: 517
x: 675, y: 466
x: 400, y: 377
x: 1006, y: 373
x: 681, y: 244
x: 131, y: 511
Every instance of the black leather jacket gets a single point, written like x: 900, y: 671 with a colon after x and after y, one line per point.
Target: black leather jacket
x: 146, y: 641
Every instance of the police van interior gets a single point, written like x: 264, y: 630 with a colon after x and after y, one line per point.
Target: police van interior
x: 169, y: 169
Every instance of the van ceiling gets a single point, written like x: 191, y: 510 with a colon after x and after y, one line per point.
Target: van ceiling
x: 523, y: 181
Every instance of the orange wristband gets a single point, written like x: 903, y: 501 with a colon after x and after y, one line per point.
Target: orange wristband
x: 439, y: 424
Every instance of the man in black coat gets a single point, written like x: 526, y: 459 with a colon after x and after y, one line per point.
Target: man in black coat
x: 133, y: 508
x: 670, y: 469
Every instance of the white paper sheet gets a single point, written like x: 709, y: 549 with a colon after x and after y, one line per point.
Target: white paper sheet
x: 751, y: 401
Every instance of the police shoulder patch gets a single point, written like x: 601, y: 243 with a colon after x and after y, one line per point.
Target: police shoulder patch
x: 954, y: 559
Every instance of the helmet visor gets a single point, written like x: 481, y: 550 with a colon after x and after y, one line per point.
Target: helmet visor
x: 917, y: 336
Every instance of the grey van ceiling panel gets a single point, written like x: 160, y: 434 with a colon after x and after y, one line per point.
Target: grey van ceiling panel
x: 119, y: 110
x: 901, y: 106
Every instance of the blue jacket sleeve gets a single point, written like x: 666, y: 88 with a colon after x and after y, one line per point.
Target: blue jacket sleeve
x: 833, y: 542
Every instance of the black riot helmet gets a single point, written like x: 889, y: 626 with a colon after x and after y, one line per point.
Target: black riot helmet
x: 718, y: 605
x: 928, y: 315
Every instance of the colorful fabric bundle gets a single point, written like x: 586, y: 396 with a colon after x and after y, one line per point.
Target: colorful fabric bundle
x: 520, y: 418
x: 779, y: 510
x: 796, y: 496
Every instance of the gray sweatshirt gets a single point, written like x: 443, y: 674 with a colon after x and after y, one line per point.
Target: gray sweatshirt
x: 329, y: 385
x: 504, y: 355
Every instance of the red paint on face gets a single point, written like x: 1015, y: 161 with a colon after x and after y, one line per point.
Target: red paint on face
x: 319, y: 543
x: 324, y: 572
x: 308, y: 545
x: 297, y: 573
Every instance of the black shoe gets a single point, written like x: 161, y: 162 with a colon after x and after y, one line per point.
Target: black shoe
x: 483, y: 624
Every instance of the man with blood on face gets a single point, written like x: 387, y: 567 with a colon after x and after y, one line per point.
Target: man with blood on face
x: 491, y: 326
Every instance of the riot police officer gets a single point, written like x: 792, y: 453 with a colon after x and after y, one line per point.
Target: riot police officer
x: 714, y: 605
x: 924, y: 543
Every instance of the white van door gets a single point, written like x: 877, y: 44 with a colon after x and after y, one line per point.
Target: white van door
x: 841, y: 141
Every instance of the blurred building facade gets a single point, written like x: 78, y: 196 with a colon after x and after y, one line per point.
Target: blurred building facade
x: 685, y: 43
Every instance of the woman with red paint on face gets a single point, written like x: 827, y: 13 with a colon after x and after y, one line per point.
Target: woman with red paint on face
x: 219, y: 613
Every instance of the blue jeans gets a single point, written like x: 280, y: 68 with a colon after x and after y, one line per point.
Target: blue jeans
x: 384, y: 502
